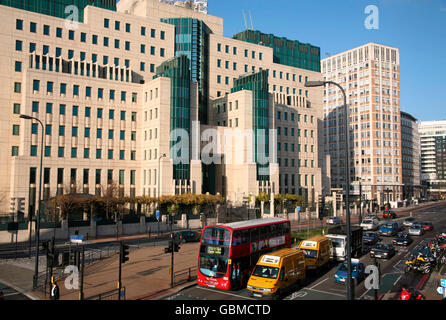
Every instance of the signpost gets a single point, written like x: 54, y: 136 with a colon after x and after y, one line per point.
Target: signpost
x: 158, y: 218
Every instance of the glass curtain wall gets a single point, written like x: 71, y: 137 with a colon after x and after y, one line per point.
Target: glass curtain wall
x: 258, y: 84
x: 56, y: 8
x: 177, y: 69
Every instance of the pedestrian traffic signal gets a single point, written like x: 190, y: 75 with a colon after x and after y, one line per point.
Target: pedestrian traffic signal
x: 172, y: 244
x: 124, y: 252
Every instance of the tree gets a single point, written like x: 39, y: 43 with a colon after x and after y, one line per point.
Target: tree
x: 110, y: 194
x: 68, y: 202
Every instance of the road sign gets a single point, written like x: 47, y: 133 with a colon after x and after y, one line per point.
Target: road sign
x: 77, y: 238
x: 443, y: 282
x: 158, y: 215
x: 440, y: 290
x: 298, y: 208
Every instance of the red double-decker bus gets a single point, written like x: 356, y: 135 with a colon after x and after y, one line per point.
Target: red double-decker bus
x: 228, y: 252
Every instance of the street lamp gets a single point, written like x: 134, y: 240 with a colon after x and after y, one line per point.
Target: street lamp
x: 36, y: 267
x: 159, y: 188
x: 311, y: 84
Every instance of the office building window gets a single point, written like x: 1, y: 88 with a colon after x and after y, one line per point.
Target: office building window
x: 14, y: 151
x: 19, y: 24
x: 47, y: 151
x: 33, y: 151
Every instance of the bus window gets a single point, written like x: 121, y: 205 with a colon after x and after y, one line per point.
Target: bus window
x: 245, y: 236
x: 237, y: 238
x: 216, y: 236
x: 254, y: 235
x: 213, y: 266
x: 263, y: 233
x: 286, y: 228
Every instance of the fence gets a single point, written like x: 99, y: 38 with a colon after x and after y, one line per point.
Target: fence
x: 184, y: 276
x: 109, y: 295
x: 91, y: 256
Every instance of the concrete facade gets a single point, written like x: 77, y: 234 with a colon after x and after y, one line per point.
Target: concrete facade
x: 106, y: 118
x: 370, y: 76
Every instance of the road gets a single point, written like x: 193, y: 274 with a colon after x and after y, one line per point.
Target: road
x: 322, y: 286
x: 11, y: 294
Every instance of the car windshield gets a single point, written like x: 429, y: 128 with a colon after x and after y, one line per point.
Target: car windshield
x: 343, y: 267
x: 402, y: 235
x: 387, y: 226
x: 309, y: 253
x: 382, y: 246
x: 266, y: 272
x: 367, y: 221
x: 337, y: 242
x: 416, y: 226
x: 369, y: 234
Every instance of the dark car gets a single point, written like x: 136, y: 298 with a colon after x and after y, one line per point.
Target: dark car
x: 388, y: 214
x: 403, y: 239
x: 188, y: 236
x: 370, y: 238
x: 427, y: 226
x: 382, y: 250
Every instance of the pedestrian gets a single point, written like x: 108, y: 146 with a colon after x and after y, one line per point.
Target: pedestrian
x: 54, y: 293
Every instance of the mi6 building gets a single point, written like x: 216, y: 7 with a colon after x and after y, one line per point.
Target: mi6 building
x: 151, y: 96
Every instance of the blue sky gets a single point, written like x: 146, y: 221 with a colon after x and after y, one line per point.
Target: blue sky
x: 416, y: 27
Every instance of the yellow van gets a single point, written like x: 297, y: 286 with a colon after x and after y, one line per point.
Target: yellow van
x: 317, y: 251
x: 276, y: 272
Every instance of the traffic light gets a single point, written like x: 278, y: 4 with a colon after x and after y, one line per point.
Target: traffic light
x: 173, y: 244
x: 124, y: 252
x: 321, y: 201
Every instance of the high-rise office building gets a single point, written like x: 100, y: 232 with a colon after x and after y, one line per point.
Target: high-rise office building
x: 410, y: 156
x: 433, y: 157
x: 370, y: 76
x: 131, y: 83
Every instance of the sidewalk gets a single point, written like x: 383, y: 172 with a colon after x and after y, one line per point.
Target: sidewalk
x: 430, y: 288
x: 144, y: 276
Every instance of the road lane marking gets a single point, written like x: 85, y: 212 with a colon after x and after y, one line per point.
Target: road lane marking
x: 318, y: 283
x: 335, y: 294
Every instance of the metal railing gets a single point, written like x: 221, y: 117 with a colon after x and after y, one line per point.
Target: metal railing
x: 184, y: 276
x: 109, y: 295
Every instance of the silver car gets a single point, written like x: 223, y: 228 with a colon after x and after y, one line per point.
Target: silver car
x: 369, y: 224
x: 416, y: 230
x: 334, y: 220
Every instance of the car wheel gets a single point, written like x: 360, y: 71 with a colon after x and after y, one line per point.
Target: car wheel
x: 407, y: 269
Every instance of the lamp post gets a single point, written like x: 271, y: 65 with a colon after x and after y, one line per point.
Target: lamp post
x: 36, y: 267
x: 159, y: 187
x: 310, y: 84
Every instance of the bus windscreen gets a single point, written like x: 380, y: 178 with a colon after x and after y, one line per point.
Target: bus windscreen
x: 214, y: 252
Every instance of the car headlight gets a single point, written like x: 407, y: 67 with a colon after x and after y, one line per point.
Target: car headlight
x: 249, y: 287
x: 267, y: 290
